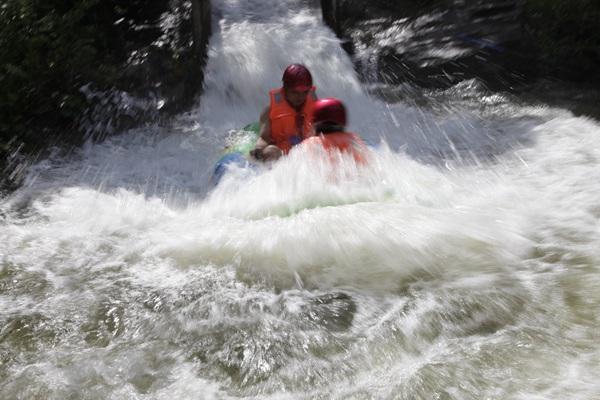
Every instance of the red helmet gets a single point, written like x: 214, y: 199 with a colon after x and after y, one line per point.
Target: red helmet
x: 297, y: 76
x: 330, y: 111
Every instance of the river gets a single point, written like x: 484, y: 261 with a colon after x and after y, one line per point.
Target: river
x: 462, y: 263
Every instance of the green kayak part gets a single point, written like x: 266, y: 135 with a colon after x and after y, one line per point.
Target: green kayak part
x: 244, y: 140
x: 253, y: 127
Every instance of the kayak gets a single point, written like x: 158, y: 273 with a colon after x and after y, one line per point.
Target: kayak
x: 237, y: 152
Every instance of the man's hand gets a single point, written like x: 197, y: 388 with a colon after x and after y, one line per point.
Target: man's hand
x: 257, y: 154
x: 269, y: 153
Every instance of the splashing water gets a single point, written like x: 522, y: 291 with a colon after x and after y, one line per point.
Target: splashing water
x: 461, y: 263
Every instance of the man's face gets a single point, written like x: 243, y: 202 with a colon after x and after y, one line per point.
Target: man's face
x: 296, y: 97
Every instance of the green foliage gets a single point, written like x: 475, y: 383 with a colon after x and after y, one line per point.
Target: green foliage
x: 48, y: 49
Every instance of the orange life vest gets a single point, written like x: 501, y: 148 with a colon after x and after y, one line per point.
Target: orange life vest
x: 288, y: 126
x: 345, y: 142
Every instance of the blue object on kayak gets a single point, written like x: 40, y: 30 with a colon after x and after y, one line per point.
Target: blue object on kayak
x: 227, y: 161
x: 237, y: 153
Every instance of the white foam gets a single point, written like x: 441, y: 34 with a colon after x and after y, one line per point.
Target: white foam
x: 475, y: 195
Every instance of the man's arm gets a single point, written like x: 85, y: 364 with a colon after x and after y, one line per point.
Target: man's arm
x: 264, y: 134
x: 265, y: 127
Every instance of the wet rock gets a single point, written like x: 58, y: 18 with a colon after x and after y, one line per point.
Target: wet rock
x: 333, y: 311
x: 17, y: 281
x: 104, y: 324
x: 22, y: 333
x: 163, y: 71
x: 435, y: 43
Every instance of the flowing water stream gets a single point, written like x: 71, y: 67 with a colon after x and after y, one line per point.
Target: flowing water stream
x: 462, y: 263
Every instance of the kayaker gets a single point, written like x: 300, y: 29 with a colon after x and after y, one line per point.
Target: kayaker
x: 329, y: 123
x: 286, y: 121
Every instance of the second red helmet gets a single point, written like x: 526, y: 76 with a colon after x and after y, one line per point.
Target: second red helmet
x: 297, y: 76
x: 330, y: 111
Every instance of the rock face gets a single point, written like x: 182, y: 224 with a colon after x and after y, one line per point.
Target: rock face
x: 162, y: 74
x: 434, y: 43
